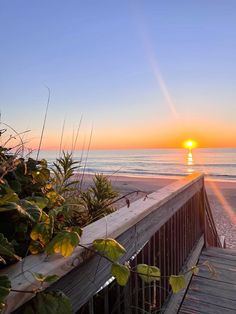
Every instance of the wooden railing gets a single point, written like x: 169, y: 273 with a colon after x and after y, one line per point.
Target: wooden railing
x: 168, y: 230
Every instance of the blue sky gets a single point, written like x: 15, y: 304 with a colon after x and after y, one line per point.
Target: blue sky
x: 124, y: 65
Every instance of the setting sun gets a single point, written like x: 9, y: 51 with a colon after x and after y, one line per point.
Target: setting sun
x: 190, y: 144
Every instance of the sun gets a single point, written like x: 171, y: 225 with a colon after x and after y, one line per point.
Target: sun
x: 190, y: 144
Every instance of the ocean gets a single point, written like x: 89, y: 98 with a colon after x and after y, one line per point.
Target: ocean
x: 218, y: 164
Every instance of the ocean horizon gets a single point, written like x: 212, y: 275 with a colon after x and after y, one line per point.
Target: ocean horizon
x: 215, y: 163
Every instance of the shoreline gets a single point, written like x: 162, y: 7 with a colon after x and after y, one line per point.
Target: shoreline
x: 160, y: 176
x: 221, y: 195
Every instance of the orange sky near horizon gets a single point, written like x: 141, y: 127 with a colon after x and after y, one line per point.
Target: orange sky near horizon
x: 170, y: 134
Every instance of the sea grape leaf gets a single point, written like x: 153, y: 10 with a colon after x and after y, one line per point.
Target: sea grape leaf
x: 109, y: 247
x: 54, y: 198
x: 32, y: 211
x: 5, y: 288
x: 36, y: 247
x: 41, y: 175
x: 40, y: 201
x: 177, y: 283
x: 52, y: 302
x: 121, y: 273
x: 6, y: 249
x: 42, y: 278
x: 9, y: 196
x: 8, y: 206
x: 64, y: 242
x: 148, y: 273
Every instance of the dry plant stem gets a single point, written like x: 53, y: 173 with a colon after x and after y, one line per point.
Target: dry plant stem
x: 18, y: 134
x: 44, y: 122
x: 125, y: 196
x: 62, y: 135
x: 112, y: 262
x: 86, y: 159
x: 77, y: 134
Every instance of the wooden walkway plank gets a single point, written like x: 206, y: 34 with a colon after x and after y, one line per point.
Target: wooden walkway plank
x: 208, y: 286
x: 225, y: 252
x: 211, y: 299
x: 208, y: 293
x: 218, y: 259
x: 193, y: 306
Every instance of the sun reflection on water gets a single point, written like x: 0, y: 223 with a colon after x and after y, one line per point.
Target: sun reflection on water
x: 190, y: 162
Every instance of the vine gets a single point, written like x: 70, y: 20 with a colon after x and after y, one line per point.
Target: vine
x: 42, y: 210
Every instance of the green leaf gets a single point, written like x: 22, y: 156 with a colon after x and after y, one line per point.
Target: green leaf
x: 5, y: 288
x: 109, y: 247
x: 40, y: 201
x: 49, y: 303
x: 6, y: 249
x: 41, y: 278
x: 121, y: 273
x: 32, y: 211
x: 64, y: 242
x: 51, y: 278
x: 36, y: 247
x: 10, y: 195
x: 148, y: 273
x: 177, y: 283
x: 41, y: 175
x: 78, y: 230
x: 9, y: 206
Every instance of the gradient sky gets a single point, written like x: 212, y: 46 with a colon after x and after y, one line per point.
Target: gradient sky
x: 144, y: 74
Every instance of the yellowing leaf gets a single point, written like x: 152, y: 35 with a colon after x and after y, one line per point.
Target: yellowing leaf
x: 36, y: 247
x: 64, y: 242
x: 38, y: 277
x: 195, y: 270
x: 42, y: 278
x: 42, y: 231
x: 121, y: 273
x: 177, y: 283
x: 148, y: 273
x: 109, y: 247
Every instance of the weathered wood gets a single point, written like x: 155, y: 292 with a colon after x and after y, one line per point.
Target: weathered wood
x: 208, y: 286
x: 208, y: 293
x: 225, y: 252
x: 175, y: 300
x: 211, y: 299
x: 219, y: 258
x: 131, y: 226
x: 198, y: 307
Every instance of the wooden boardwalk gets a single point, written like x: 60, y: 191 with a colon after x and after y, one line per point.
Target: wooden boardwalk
x: 208, y: 293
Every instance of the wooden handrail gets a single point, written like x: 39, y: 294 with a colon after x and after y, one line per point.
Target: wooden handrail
x: 159, y: 218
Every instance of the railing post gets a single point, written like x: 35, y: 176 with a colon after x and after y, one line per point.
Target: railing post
x: 203, y: 221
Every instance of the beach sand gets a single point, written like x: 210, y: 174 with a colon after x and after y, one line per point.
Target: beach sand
x: 221, y: 194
